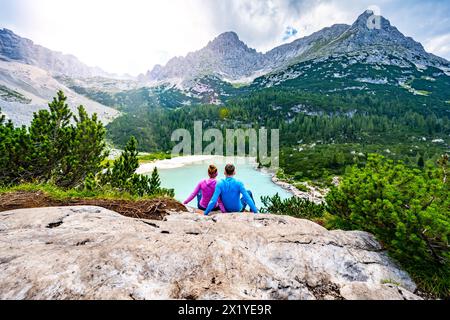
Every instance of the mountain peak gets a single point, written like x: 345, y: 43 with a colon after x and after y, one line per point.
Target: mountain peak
x: 229, y: 35
x: 4, y: 30
x: 369, y: 20
x: 229, y: 44
x: 229, y: 38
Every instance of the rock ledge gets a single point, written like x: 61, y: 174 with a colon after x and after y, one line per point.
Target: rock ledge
x: 93, y: 253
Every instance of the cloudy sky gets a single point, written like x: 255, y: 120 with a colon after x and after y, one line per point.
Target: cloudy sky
x: 131, y: 36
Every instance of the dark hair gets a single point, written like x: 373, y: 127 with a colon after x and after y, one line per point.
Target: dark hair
x: 230, y: 169
x: 212, y: 171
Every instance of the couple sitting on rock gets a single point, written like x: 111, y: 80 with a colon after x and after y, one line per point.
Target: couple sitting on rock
x: 225, y: 195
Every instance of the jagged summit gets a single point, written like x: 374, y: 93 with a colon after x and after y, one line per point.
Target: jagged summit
x: 369, y: 20
x: 229, y: 36
x: 227, y: 42
x: 227, y: 57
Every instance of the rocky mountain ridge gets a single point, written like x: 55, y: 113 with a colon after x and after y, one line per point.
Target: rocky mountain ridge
x: 17, y: 49
x: 368, y: 56
x: 228, y: 58
x: 25, y: 89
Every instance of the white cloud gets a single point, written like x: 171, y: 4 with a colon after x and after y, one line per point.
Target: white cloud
x: 439, y: 45
x: 119, y: 36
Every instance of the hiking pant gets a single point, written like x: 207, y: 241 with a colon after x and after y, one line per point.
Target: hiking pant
x: 244, y: 203
x: 199, y: 198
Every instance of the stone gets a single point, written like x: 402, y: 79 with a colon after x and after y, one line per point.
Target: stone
x: 93, y: 253
x: 363, y: 291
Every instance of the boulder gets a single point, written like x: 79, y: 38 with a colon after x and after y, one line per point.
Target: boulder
x: 93, y: 253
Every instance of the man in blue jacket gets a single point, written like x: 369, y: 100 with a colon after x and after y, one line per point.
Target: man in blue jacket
x: 230, y: 191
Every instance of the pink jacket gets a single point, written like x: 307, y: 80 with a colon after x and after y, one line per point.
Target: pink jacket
x: 208, y: 187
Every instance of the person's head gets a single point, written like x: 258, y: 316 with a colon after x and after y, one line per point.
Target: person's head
x: 230, y: 170
x: 212, y: 171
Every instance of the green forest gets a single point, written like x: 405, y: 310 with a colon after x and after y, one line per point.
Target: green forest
x: 319, y: 135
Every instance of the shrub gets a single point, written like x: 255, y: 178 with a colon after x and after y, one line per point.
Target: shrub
x: 301, y: 187
x: 295, y: 207
x: 406, y: 209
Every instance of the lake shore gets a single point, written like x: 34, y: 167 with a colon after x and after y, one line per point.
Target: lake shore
x: 173, y: 163
x: 178, y: 162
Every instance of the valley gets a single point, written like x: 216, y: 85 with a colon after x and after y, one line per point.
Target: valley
x: 363, y: 115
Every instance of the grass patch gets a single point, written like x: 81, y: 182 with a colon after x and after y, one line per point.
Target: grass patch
x: 59, y: 194
x: 423, y: 92
x: 389, y: 281
x: 240, y: 85
x: 301, y: 187
x: 407, y: 86
x: 154, y: 157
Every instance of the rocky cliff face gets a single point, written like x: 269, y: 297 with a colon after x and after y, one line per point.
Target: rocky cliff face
x: 375, y: 40
x: 25, y: 89
x: 226, y: 56
x: 16, y: 48
x: 28, y: 81
x: 93, y: 253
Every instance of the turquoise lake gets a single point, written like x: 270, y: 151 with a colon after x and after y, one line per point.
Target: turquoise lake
x: 184, y: 180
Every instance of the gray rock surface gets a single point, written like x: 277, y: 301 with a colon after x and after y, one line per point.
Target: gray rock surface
x: 38, y: 87
x: 93, y: 253
x: 16, y: 48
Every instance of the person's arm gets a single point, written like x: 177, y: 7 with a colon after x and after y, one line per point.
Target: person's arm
x: 248, y: 199
x: 194, y: 194
x: 222, y: 206
x: 212, y: 204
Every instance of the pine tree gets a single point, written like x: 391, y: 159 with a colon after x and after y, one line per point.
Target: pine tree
x: 52, y: 149
x: 122, y: 175
x: 86, y: 151
x: 421, y: 162
x: 125, y: 167
x: 15, y: 151
x: 50, y: 133
x: 155, y: 182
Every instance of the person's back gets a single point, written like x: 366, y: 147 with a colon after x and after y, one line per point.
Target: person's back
x: 230, y: 191
x: 207, y: 188
x: 205, y: 191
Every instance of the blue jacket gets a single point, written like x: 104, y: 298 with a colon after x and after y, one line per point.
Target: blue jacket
x: 230, y: 190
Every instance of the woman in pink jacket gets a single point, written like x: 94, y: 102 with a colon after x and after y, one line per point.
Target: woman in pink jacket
x: 205, y: 190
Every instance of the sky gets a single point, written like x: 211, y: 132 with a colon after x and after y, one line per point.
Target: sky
x: 131, y: 36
